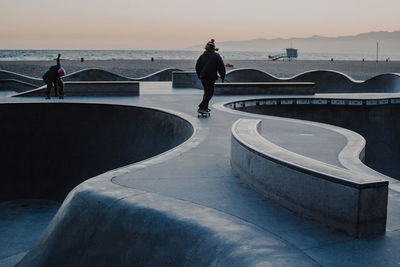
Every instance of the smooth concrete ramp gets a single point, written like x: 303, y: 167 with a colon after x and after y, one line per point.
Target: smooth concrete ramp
x: 120, y: 227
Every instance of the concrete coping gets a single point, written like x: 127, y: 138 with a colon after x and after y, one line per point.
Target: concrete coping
x: 91, y: 88
x: 101, y: 82
x: 247, y: 133
x: 183, y: 72
x: 336, y: 101
x: 264, y: 83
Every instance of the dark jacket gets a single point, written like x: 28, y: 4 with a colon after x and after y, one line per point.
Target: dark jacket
x: 209, y: 64
x: 52, y: 73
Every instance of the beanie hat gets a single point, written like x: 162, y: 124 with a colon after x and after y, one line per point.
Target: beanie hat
x: 211, y: 43
x: 61, y: 72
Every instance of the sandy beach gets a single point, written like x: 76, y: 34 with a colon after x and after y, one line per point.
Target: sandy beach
x: 137, y: 68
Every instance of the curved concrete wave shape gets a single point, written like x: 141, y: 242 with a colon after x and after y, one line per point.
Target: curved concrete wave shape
x: 326, y: 81
x: 8, y: 75
x: 250, y: 75
x: 94, y: 74
x: 164, y: 75
x: 20, y: 83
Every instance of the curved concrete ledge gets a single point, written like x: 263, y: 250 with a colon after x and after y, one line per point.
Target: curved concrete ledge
x: 371, y: 117
x: 353, y: 202
x: 326, y: 81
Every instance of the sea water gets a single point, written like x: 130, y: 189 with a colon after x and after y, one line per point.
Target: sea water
x: 33, y: 55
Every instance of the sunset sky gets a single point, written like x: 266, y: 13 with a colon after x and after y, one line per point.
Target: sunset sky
x: 176, y: 24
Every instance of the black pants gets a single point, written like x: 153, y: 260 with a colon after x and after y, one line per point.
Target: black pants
x: 57, y: 91
x: 208, y: 86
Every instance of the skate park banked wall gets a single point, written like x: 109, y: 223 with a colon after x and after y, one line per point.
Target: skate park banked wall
x: 48, y: 149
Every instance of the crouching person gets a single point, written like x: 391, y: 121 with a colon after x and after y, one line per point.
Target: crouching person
x: 53, y: 78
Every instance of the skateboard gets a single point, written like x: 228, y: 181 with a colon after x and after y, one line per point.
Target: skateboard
x: 203, y: 114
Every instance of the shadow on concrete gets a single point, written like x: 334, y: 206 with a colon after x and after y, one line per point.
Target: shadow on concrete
x: 48, y: 149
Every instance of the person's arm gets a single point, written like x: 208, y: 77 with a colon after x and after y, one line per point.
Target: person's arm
x: 221, y: 68
x: 198, y: 67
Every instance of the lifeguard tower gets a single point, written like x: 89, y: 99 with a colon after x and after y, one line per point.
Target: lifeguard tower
x: 290, y: 54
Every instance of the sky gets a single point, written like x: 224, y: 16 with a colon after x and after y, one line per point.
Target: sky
x: 177, y: 24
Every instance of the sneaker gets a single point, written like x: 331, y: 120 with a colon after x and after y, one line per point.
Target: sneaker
x: 208, y: 110
x: 47, y: 97
x: 61, y: 97
x: 202, y: 111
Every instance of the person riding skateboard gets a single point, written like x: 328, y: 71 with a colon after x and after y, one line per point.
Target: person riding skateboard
x: 208, y: 66
x: 53, y: 77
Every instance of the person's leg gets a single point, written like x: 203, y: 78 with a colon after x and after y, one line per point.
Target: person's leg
x: 55, y: 88
x: 49, y: 84
x: 208, y: 93
x: 60, y: 88
x: 202, y: 103
x: 208, y: 86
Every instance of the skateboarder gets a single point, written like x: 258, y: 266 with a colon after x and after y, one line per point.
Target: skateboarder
x: 53, y: 77
x: 207, y: 66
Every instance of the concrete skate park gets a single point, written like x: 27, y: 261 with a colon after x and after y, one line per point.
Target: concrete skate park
x: 298, y: 171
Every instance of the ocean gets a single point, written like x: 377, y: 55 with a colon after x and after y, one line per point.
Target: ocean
x: 35, y: 55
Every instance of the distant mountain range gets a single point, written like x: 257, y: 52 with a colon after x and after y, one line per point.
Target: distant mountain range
x: 364, y: 43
